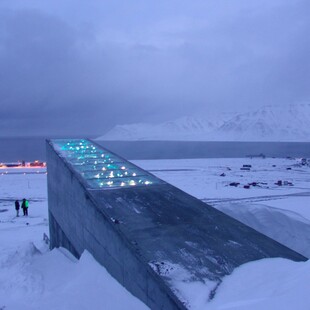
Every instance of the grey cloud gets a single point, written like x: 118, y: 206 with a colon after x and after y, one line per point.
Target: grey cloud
x: 89, y: 68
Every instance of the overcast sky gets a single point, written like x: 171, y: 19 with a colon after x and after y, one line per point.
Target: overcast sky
x: 84, y: 66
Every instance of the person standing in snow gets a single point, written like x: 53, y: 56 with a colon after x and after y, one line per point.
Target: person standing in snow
x: 17, y: 207
x: 25, y: 205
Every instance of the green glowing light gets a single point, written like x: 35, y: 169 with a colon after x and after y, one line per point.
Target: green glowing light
x: 100, y: 168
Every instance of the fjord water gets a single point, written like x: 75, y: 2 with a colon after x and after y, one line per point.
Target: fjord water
x: 198, y: 149
x: 14, y: 149
x: 32, y: 148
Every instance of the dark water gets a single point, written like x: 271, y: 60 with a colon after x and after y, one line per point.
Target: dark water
x: 32, y: 148
x: 23, y: 148
x: 171, y: 149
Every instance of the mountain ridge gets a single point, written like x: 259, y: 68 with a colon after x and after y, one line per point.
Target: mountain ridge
x: 270, y: 123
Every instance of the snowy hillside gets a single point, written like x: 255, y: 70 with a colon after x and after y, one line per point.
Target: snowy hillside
x: 272, y: 123
x: 181, y: 129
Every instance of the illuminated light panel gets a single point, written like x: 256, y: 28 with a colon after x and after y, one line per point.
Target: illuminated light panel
x: 100, y: 168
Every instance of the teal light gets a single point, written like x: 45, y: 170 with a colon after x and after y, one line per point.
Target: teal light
x: 100, y: 168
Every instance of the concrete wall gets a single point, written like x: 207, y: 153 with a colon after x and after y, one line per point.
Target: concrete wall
x: 129, y: 229
x: 77, y: 223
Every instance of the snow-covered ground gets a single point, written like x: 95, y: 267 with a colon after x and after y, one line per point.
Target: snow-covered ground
x: 32, y: 277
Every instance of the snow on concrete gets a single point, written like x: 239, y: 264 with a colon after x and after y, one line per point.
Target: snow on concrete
x: 287, y: 227
x: 32, y: 277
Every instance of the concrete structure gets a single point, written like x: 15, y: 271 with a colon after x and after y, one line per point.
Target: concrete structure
x: 141, y: 228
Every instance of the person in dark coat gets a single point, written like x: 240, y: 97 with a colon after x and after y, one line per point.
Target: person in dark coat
x: 25, y: 205
x: 17, y: 207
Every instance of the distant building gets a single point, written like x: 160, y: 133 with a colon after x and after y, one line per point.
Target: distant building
x: 37, y: 163
x: 261, y: 155
x: 12, y: 165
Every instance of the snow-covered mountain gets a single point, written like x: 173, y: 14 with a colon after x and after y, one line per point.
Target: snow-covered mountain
x: 270, y: 123
x: 186, y: 128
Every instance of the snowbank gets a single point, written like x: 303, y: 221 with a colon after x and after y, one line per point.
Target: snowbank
x: 269, y: 284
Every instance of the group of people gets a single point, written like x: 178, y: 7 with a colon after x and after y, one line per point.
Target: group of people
x: 25, y: 205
